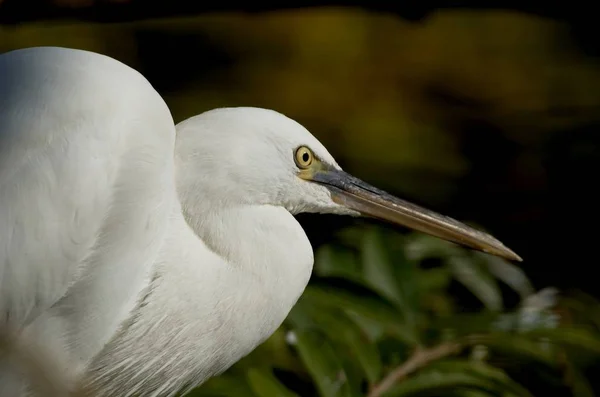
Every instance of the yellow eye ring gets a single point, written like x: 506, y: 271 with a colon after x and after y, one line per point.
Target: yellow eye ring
x: 303, y: 157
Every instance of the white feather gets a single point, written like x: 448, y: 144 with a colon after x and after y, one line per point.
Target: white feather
x: 144, y: 259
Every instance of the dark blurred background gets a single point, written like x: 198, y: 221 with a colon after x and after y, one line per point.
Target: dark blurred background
x: 489, y: 115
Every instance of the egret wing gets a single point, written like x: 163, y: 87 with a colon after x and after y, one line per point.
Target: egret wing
x: 86, y: 184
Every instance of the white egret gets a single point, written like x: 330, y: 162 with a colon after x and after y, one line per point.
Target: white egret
x: 145, y: 258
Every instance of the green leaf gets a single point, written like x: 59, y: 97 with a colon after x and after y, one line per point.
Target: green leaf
x: 465, y: 392
x: 516, y: 345
x: 304, y: 317
x: 581, y: 338
x: 393, y: 352
x: 580, y: 386
x: 264, y: 384
x: 473, y: 276
x: 420, y: 246
x: 363, y: 350
x: 465, y: 269
x: 377, y: 267
x: 433, y: 383
x: 464, y: 324
x: 510, y: 274
x: 323, y: 364
x: 373, y: 329
x: 224, y: 385
x: 350, y: 236
x: 435, y: 279
x: 341, y: 329
x: 375, y: 309
x: 584, y: 306
x: 332, y: 261
x: 439, y: 304
x: 433, y: 284
x: 581, y: 311
x: 494, y: 375
x: 395, y: 281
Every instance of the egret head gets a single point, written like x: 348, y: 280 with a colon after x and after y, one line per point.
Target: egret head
x: 253, y: 156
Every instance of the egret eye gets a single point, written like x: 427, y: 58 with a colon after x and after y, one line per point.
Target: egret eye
x: 304, y: 157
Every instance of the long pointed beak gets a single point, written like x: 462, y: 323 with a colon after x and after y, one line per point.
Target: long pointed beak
x: 359, y: 196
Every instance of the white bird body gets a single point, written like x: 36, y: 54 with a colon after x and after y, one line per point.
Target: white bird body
x: 97, y: 260
x: 145, y: 258
x: 76, y: 188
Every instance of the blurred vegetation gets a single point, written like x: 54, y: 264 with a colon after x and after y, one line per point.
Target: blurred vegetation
x: 378, y: 319
x: 382, y: 94
x: 488, y: 116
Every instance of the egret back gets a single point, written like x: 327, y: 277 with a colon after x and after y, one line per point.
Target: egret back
x: 86, y: 184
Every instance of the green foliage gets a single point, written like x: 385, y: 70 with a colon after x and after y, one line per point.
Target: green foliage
x: 379, y: 320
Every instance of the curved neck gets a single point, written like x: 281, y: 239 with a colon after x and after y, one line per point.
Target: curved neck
x: 264, y: 242
x: 204, y: 311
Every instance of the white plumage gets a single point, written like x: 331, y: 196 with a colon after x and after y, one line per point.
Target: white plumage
x: 145, y: 258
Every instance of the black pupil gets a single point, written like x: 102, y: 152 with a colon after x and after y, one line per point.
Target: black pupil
x: 305, y: 157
